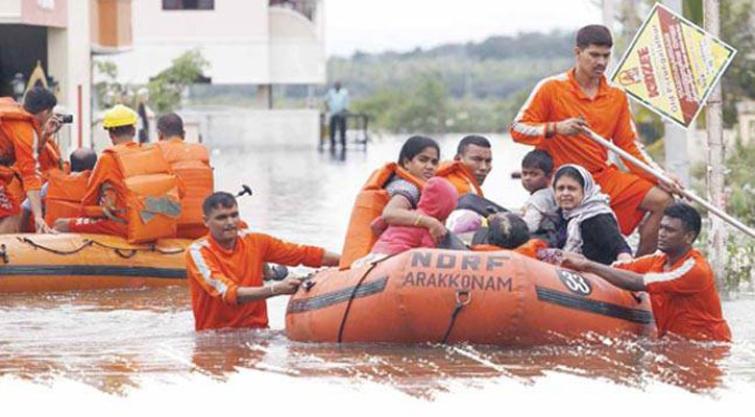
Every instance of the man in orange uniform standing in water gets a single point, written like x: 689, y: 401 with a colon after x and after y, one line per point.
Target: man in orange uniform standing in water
x: 678, y: 278
x: 225, y: 268
x: 561, y: 107
x: 24, y: 132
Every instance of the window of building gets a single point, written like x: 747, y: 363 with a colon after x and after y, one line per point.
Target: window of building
x: 188, y: 4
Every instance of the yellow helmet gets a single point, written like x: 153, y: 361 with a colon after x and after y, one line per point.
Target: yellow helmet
x: 118, y: 116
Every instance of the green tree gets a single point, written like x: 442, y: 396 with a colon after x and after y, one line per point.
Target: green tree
x: 167, y: 87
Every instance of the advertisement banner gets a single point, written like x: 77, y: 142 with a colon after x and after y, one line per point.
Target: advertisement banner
x: 672, y: 65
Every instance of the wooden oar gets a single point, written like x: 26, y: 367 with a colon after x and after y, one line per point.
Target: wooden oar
x: 645, y: 167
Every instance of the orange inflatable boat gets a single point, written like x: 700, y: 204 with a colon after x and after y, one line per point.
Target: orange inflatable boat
x: 431, y: 295
x: 69, y: 262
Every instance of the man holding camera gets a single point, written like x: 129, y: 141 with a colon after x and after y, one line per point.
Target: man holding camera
x: 24, y: 132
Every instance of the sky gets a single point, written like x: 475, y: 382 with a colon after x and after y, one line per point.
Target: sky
x: 402, y: 25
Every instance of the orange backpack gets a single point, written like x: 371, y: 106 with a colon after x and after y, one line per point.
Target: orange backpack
x: 368, y: 206
x: 152, y: 198
x: 191, y: 163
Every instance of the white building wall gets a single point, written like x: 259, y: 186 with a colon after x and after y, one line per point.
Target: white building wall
x: 245, y: 41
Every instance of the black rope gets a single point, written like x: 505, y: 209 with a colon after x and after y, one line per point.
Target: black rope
x: 35, y: 245
x: 460, y: 304
x: 354, y: 293
x: 120, y: 251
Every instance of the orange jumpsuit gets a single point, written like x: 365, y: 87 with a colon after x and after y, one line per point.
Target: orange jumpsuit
x: 19, y: 156
x: 683, y: 297
x: 215, y: 274
x: 105, y: 171
x: 459, y: 175
x: 608, y: 114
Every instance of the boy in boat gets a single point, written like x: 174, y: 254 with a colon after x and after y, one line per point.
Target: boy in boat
x: 540, y: 211
x: 225, y: 268
x: 560, y: 109
x: 678, y: 278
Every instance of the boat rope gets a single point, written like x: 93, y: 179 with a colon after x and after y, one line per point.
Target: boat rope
x: 85, y: 243
x: 3, y: 254
x: 354, y: 293
x: 463, y: 298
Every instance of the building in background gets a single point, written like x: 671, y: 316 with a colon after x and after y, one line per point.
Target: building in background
x: 251, y: 45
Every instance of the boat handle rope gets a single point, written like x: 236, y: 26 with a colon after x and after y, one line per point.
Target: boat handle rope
x: 122, y: 252
x: 463, y: 298
x: 4, y: 254
x: 354, y: 293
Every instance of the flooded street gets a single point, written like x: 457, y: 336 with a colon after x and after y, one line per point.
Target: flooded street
x: 116, y: 341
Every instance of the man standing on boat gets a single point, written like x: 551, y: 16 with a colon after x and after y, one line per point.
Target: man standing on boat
x: 225, y: 268
x: 678, y: 278
x: 337, y: 102
x: 471, y: 165
x: 24, y: 132
x: 560, y: 109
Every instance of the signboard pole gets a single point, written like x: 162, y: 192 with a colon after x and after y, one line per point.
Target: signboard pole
x: 675, y: 137
x: 716, y: 158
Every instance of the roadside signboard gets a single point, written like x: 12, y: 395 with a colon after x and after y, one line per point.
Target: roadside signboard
x: 672, y: 65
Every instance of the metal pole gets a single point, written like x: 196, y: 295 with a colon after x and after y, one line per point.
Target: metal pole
x: 716, y: 158
x: 688, y: 194
x: 675, y: 137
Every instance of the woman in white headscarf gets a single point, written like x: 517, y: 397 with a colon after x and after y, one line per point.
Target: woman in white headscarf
x: 591, y: 226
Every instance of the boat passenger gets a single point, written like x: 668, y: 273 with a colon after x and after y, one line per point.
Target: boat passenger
x: 589, y: 226
x: 562, y: 107
x: 540, y: 211
x: 392, y: 193
x: 437, y: 200
x: 679, y: 280
x: 24, y: 130
x: 470, y: 166
x: 191, y: 163
x: 225, y: 268
x: 131, y: 191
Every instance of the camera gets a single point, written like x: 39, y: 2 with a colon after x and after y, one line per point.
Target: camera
x: 65, y: 118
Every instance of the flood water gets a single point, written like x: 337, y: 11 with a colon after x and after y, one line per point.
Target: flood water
x: 116, y: 341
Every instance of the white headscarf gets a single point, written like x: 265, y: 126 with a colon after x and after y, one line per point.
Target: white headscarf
x: 593, y: 203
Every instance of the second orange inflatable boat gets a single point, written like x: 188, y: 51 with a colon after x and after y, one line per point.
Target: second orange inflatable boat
x: 430, y: 295
x: 70, y: 262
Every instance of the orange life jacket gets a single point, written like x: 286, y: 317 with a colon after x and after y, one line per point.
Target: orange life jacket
x: 9, y: 111
x: 369, y: 204
x: 458, y: 174
x: 152, y: 198
x: 191, y: 163
x: 64, y: 194
x: 528, y: 248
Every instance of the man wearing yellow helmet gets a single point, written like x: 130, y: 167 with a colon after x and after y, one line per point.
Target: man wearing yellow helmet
x: 106, y: 188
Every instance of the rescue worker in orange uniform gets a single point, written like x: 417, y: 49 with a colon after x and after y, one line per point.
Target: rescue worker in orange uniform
x: 112, y: 194
x: 554, y: 119
x: 24, y: 131
x: 191, y: 163
x: 471, y: 165
x: 679, y: 280
x: 224, y: 269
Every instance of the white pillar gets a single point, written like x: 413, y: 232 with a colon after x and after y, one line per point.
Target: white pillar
x: 716, y: 159
x: 675, y: 139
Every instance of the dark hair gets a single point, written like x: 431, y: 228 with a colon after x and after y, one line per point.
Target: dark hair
x: 538, y: 159
x: 83, y: 159
x: 218, y: 199
x: 570, y: 172
x: 507, y: 230
x: 128, y: 130
x: 476, y: 140
x: 39, y: 99
x: 170, y: 125
x: 594, y: 35
x: 414, y: 146
x: 687, y: 214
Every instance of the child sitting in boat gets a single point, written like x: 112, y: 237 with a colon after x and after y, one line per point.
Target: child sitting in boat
x: 540, y: 212
x: 437, y: 200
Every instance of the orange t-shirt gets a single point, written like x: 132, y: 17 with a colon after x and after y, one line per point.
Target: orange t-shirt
x: 608, y: 114
x: 107, y: 171
x: 683, y: 297
x: 215, y: 274
x: 459, y: 175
